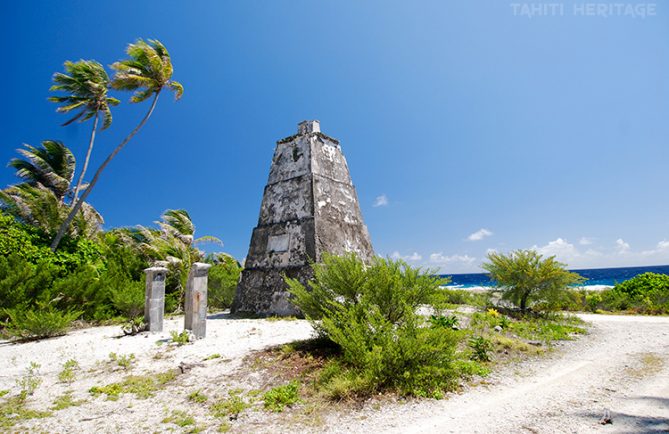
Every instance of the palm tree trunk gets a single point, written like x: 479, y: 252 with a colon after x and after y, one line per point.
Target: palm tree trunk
x: 77, y: 206
x: 88, y: 157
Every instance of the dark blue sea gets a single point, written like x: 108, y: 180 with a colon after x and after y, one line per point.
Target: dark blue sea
x: 596, y: 277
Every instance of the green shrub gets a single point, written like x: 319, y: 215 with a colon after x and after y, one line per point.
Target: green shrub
x: 179, y: 418
x: 102, y: 294
x: 83, y: 288
x: 231, y: 406
x: 67, y: 374
x: 481, y: 348
x: 463, y: 296
x: 548, y: 329
x: 124, y: 361
x: 128, y: 299
x: 448, y: 322
x: 223, y: 278
x: 20, y: 240
x: 645, y: 293
x: 197, y: 396
x: 21, y: 281
x: 75, y: 277
x: 280, y: 397
x: 143, y: 386
x: 370, y: 312
x: 644, y: 285
x: 180, y: 338
x: 43, y: 322
x: 30, y: 381
x: 66, y: 400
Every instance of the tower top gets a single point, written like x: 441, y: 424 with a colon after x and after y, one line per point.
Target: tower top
x: 306, y: 127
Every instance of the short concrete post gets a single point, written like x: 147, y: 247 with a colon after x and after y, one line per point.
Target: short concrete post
x: 154, y: 298
x: 196, y: 300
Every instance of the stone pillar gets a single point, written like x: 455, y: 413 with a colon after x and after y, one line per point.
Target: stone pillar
x: 196, y: 300
x: 154, y: 299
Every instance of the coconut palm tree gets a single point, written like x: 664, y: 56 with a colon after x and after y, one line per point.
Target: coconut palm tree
x: 52, y: 165
x: 173, y: 242
x: 86, y: 84
x: 38, y: 206
x: 47, y: 172
x: 147, y: 72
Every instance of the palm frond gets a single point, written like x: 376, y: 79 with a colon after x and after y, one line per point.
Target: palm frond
x: 85, y: 83
x: 106, y: 117
x: 177, y: 88
x: 208, y: 239
x: 146, y: 72
x: 51, y: 165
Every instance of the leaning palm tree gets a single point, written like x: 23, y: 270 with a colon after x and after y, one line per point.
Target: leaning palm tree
x: 147, y: 72
x: 52, y: 165
x: 47, y: 172
x: 86, y: 84
x: 173, y: 242
x: 38, y: 206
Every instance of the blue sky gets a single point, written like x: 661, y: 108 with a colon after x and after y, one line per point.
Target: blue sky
x: 473, y: 126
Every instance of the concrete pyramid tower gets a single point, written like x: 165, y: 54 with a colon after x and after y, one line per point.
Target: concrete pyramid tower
x: 309, y: 207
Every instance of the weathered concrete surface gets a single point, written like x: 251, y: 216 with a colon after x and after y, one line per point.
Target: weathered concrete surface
x: 154, y: 298
x: 309, y: 207
x: 195, y: 306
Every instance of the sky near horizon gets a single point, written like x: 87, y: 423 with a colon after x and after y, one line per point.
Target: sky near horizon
x: 467, y: 126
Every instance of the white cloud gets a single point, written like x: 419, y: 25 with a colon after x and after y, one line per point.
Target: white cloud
x: 621, y: 246
x: 415, y: 256
x: 380, y: 201
x: 479, y: 235
x: 585, y: 241
x: 618, y: 254
x: 563, y: 250
x: 441, y: 259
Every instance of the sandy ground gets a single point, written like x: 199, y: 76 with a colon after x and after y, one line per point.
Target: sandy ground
x: 622, y: 365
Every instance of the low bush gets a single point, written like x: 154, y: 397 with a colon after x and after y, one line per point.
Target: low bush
x: 124, y: 361
x: 223, y: 278
x: 43, y: 322
x: 180, y: 338
x: 448, y: 322
x: 647, y: 293
x: 66, y: 400
x: 230, y: 407
x: 370, y: 312
x: 67, y: 375
x: 549, y: 328
x: 180, y: 418
x: 30, y: 381
x: 481, y: 348
x: 280, y: 397
x: 463, y: 296
x: 21, y: 281
x: 142, y: 386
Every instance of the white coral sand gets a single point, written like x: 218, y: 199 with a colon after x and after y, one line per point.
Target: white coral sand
x: 622, y: 365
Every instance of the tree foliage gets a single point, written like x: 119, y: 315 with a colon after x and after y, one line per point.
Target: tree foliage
x: 370, y: 312
x: 526, y: 279
x: 51, y: 166
x: 223, y: 278
x: 146, y: 72
x: 39, y: 201
x: 85, y: 84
